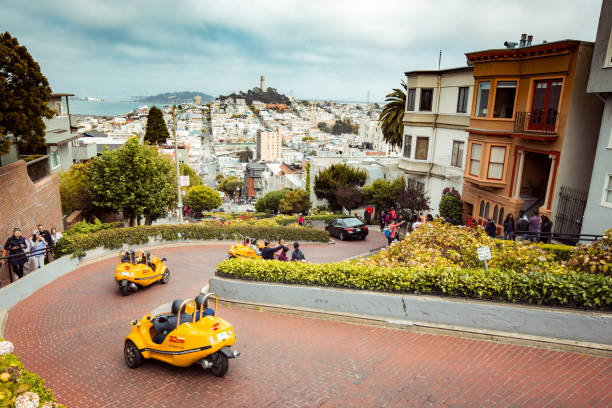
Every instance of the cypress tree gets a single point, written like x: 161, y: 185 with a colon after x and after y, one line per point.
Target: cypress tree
x: 157, y: 131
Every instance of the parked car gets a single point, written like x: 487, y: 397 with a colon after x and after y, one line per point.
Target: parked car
x: 347, y: 228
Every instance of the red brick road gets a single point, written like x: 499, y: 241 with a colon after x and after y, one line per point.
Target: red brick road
x: 71, y: 332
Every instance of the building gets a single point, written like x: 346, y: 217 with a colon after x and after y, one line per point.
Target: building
x: 437, y: 114
x: 598, y: 214
x: 59, y: 134
x: 537, y: 141
x: 269, y: 145
x: 253, y: 185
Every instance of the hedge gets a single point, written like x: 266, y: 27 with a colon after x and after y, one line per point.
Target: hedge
x: 115, y: 238
x: 34, y: 382
x: 325, y: 217
x: 578, y: 290
x: 561, y: 253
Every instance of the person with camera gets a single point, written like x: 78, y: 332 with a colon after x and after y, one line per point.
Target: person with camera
x: 38, y: 246
x: 16, y: 245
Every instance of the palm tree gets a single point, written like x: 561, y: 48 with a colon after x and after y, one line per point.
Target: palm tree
x: 392, y: 114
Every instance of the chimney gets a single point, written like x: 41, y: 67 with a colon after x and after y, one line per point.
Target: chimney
x: 529, y: 38
x: 523, y: 40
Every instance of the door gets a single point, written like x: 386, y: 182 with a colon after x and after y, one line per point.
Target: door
x: 545, y: 104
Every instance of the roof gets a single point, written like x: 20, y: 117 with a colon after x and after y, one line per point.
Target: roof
x: 537, y: 49
x: 59, y: 138
x: 94, y: 133
x: 296, y: 180
x: 441, y: 71
x: 57, y: 95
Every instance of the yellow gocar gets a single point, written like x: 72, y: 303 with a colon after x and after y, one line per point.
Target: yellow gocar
x: 241, y: 250
x: 139, y: 269
x: 190, y: 333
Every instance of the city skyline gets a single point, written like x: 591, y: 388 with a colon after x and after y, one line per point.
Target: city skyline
x: 339, y: 51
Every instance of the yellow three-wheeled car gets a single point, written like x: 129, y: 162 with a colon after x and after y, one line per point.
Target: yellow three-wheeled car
x: 139, y: 269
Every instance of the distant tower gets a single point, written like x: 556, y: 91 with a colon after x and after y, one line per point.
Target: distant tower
x: 262, y: 84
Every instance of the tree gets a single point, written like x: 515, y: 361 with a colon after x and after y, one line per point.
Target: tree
x: 323, y: 127
x: 350, y: 197
x: 246, y: 155
x: 308, y: 178
x: 295, y: 202
x: 157, y: 131
x: 391, y: 116
x: 337, y: 175
x: 412, y: 198
x: 271, y: 201
x: 73, y: 188
x: 202, y: 198
x: 194, y: 179
x: 134, y: 179
x: 230, y: 185
x: 383, y: 193
x: 24, y: 97
x: 218, y: 178
x: 451, y: 207
x: 343, y: 126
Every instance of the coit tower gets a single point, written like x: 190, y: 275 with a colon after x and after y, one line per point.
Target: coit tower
x: 262, y: 84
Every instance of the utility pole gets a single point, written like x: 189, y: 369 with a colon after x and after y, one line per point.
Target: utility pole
x: 178, y: 174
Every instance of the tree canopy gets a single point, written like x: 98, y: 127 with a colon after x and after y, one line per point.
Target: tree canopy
x: 24, y: 97
x: 337, y: 175
x: 202, y: 198
x: 156, y: 131
x: 270, y: 95
x: 194, y: 179
x: 246, y: 155
x: 73, y: 188
x: 230, y: 185
x: 349, y: 197
x: 344, y: 126
x: 392, y: 114
x: 134, y: 179
x: 451, y: 207
x: 295, y: 202
x: 413, y: 199
x: 271, y: 201
x: 383, y: 193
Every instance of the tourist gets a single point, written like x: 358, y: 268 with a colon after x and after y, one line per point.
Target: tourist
x: 370, y: 211
x: 366, y: 216
x: 301, y: 220
x: 393, y: 215
x: 297, y: 254
x: 38, y: 246
x: 16, y: 245
x: 45, y: 234
x: 509, y: 227
x: 381, y: 219
x: 416, y: 222
x: 387, y: 218
x: 268, y: 252
x: 522, y: 226
x: 283, y: 255
x: 55, y: 235
x: 394, y: 233
x: 491, y: 228
x: 429, y: 218
x: 546, y: 229
x: 534, y: 225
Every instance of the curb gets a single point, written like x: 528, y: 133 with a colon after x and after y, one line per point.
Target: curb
x: 3, y: 320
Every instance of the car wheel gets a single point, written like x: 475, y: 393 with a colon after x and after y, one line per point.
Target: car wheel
x: 166, y: 276
x: 220, y: 364
x: 125, y: 290
x: 341, y: 236
x: 133, y: 357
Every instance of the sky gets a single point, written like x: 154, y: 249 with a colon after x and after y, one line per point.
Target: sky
x: 332, y: 49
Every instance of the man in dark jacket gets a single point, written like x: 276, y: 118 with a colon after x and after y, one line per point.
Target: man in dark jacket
x: 268, y: 252
x: 297, y: 254
x: 16, y: 245
x: 491, y: 229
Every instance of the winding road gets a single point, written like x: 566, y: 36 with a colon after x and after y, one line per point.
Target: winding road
x: 71, y: 332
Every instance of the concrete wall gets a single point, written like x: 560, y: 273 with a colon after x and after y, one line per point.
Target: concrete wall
x: 460, y: 314
x: 600, y: 79
x: 598, y: 215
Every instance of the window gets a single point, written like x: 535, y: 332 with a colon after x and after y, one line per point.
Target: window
x: 58, y: 109
x: 608, y: 60
x: 410, y: 99
x: 426, y: 99
x: 422, y: 146
x: 501, y: 216
x: 495, y: 210
x: 496, y: 162
x: 545, y: 104
x: 462, y: 99
x: 481, y: 212
x: 482, y: 100
x: 606, y: 198
x: 504, y: 99
x: 457, y: 157
x: 407, y: 146
x: 54, y: 160
x: 475, y: 155
x: 487, y: 208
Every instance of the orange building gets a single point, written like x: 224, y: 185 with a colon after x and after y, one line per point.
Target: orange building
x: 533, y: 129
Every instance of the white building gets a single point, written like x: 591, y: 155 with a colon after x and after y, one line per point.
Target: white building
x: 437, y: 113
x: 269, y: 145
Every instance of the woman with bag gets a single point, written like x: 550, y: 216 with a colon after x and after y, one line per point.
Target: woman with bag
x: 16, y: 244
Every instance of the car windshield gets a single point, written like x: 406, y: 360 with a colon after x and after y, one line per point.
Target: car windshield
x: 352, y: 222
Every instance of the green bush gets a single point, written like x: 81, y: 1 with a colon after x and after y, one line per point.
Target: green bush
x: 115, y: 238
x: 580, y: 290
x: 327, y: 218
x: 28, y: 381
x: 595, y: 257
x: 83, y: 227
x: 451, y: 207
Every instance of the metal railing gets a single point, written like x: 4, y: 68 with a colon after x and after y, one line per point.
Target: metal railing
x: 537, y: 122
x: 4, y: 260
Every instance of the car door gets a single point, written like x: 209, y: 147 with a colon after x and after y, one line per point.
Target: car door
x: 333, y: 228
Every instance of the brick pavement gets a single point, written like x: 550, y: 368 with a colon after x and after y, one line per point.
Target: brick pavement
x: 71, y: 332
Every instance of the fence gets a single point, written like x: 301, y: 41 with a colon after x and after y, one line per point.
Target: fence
x: 4, y: 260
x: 570, y: 210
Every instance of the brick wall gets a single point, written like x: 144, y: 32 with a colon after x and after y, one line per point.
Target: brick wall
x: 25, y: 204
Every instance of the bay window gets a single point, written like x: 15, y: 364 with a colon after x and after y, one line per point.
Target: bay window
x: 482, y: 98
x: 496, y: 162
x: 475, y: 155
x: 410, y: 99
x: 505, y: 94
x: 407, y: 146
x: 422, y: 146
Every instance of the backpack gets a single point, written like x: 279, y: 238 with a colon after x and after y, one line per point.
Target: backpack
x: 523, y: 225
x: 388, y: 232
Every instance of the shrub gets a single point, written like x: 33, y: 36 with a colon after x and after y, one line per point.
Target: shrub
x: 452, y: 207
x: 202, y: 198
x: 595, y: 257
x: 115, y: 238
x: 581, y: 290
x: 83, y: 227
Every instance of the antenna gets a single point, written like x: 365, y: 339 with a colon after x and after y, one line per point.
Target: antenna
x: 439, y: 60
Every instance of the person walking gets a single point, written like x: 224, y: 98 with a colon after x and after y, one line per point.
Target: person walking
x: 370, y: 210
x: 546, y: 229
x: 381, y: 220
x: 387, y: 218
x: 534, y: 225
x: 301, y: 220
x: 367, y: 217
x: 491, y: 229
x: 509, y: 227
x: 16, y: 245
x: 393, y: 216
x: 38, y: 246
x: 297, y: 254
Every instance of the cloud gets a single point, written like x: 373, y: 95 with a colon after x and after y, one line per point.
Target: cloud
x: 318, y: 49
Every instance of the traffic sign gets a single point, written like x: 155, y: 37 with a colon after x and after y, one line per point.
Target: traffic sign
x: 184, y: 181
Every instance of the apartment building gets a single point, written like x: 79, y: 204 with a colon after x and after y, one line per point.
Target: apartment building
x: 437, y: 114
x: 269, y: 145
x: 532, y: 133
x: 598, y: 213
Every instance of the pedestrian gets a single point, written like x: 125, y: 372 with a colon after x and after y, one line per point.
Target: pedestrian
x: 283, y: 254
x: 301, y: 220
x: 55, y: 235
x: 491, y: 228
x: 387, y: 218
x: 297, y: 254
x: 393, y: 216
x: 381, y: 219
x: 16, y: 245
x: 370, y: 210
x: 429, y: 218
x: 546, y: 229
x: 45, y: 234
x: 469, y: 221
x: 366, y: 217
x: 38, y: 247
x: 394, y: 231
x: 534, y: 225
x: 509, y: 227
x: 416, y: 222
x: 267, y: 251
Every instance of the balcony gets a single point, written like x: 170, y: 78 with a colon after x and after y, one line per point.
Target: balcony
x: 537, y: 122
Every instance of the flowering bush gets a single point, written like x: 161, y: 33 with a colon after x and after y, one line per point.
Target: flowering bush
x: 595, y: 257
